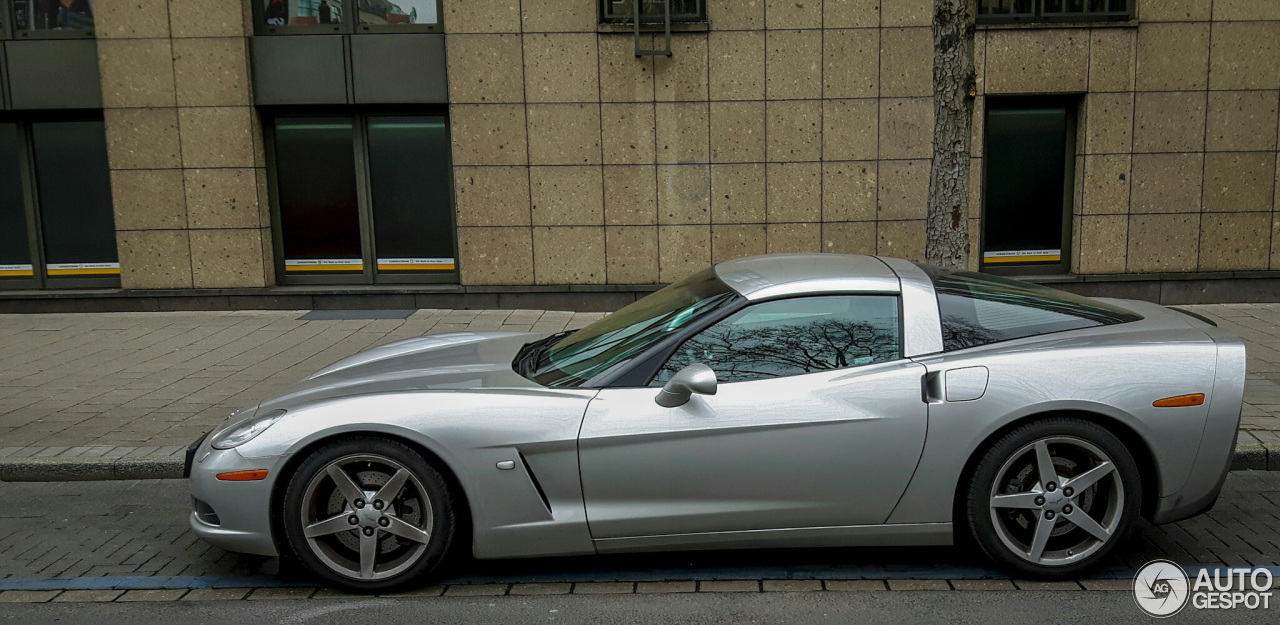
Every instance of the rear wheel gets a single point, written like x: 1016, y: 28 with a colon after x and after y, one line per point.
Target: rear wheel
x: 1053, y: 498
x: 368, y: 515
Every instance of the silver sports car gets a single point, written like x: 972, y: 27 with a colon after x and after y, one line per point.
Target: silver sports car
x: 775, y: 401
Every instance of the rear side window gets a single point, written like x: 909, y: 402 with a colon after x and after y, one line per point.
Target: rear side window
x: 978, y: 309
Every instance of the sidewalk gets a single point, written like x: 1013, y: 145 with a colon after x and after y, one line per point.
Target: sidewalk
x: 95, y: 396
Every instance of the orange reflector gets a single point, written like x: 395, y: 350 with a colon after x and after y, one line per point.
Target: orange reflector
x: 1181, y: 400
x: 244, y: 476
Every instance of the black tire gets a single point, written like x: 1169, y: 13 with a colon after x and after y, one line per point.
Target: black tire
x: 978, y: 507
x: 433, y: 485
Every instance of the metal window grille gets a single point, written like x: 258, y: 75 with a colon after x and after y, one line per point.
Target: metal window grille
x: 653, y: 11
x: 1012, y: 11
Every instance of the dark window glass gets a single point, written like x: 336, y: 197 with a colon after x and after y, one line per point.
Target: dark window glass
x: 301, y: 12
x: 53, y: 14
x: 15, y: 252
x: 793, y: 337
x: 316, y: 184
x: 73, y: 184
x: 978, y: 309
x: 397, y: 12
x: 409, y: 179
x: 653, y: 11
x: 613, y: 340
x: 1026, y: 185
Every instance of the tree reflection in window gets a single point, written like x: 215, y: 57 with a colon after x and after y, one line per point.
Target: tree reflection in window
x: 793, y: 337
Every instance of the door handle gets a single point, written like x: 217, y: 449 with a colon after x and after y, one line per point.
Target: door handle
x: 931, y: 388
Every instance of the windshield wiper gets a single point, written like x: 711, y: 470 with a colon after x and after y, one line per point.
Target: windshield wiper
x: 527, y: 357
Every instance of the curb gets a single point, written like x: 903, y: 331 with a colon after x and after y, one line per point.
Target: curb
x: 89, y: 469
x: 170, y: 467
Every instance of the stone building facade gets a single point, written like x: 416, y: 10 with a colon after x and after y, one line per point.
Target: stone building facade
x: 774, y: 126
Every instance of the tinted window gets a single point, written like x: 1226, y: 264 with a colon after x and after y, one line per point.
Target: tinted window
x: 316, y: 178
x: 792, y: 337
x: 978, y: 309
x: 73, y: 182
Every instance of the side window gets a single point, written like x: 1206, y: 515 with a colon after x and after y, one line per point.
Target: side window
x: 978, y: 309
x: 793, y: 337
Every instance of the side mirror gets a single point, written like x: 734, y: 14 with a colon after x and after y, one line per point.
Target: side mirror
x: 696, y: 378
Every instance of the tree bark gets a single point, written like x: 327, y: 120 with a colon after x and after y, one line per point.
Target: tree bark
x: 954, y: 85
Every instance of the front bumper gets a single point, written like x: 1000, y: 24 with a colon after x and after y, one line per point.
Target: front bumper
x: 233, y: 515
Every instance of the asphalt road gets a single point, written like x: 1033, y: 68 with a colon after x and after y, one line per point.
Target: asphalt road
x: 791, y: 608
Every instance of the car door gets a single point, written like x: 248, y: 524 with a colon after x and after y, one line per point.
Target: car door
x: 818, y: 421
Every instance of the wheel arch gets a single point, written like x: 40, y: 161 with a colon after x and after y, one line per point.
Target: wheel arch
x: 462, y: 510
x: 1142, y: 456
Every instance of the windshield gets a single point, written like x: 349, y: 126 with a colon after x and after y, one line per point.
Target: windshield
x: 597, y: 348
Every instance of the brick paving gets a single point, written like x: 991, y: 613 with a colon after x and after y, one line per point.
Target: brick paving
x: 126, y: 385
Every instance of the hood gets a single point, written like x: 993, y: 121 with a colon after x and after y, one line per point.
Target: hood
x: 458, y: 361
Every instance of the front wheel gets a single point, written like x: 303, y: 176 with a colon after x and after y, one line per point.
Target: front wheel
x: 368, y: 515
x: 1052, y: 498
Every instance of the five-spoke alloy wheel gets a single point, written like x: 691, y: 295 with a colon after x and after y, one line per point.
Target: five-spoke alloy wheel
x: 368, y: 514
x: 1053, y: 497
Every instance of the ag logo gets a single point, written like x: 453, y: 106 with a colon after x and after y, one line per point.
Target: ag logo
x: 1161, y: 588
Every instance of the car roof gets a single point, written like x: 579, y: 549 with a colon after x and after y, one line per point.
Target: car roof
x: 778, y: 275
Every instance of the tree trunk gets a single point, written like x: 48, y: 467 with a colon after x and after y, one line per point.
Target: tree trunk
x: 954, y: 85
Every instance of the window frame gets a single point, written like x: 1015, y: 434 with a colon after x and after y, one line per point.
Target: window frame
x: 605, y: 17
x: 1038, y: 15
x: 350, y: 23
x: 369, y: 275
x: 9, y: 26
x: 663, y: 353
x: 31, y: 205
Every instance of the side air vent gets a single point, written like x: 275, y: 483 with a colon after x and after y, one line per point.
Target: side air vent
x: 536, y: 486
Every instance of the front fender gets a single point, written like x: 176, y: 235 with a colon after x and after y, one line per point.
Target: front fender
x: 471, y: 432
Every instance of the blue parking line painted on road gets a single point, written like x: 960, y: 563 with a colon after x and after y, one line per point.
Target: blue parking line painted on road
x: 647, y: 575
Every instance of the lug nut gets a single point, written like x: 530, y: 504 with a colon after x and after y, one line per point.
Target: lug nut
x: 353, y: 519
x: 368, y: 531
x: 1048, y: 514
x: 1067, y: 509
x: 377, y: 504
x: 1039, y: 501
x: 1051, y: 487
x: 384, y: 521
x: 1068, y: 491
x: 359, y: 503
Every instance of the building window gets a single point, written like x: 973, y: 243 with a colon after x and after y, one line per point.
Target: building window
x: 1015, y: 11
x: 56, y: 223
x: 344, y: 16
x: 363, y: 198
x: 51, y: 18
x: 653, y: 11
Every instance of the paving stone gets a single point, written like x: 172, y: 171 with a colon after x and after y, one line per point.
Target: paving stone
x: 167, y: 594
x: 982, y: 584
x: 476, y: 590
x: 729, y: 586
x: 1107, y: 584
x: 854, y: 585
x: 281, y: 593
x: 1023, y: 584
x: 88, y: 595
x: 541, y: 589
x: 27, y: 596
x: 425, y: 591
x: 644, y: 588
x: 603, y: 588
x: 791, y: 585
x: 918, y: 584
x: 216, y: 594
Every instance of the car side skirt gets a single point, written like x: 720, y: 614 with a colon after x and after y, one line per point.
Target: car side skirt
x: 901, y: 535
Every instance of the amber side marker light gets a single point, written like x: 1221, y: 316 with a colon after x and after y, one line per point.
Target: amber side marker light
x: 1181, y: 400
x: 244, y: 476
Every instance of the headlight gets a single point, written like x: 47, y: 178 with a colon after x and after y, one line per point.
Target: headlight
x: 244, y: 432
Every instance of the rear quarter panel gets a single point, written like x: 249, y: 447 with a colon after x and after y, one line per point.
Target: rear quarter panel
x: 1114, y: 372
